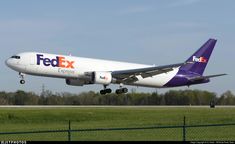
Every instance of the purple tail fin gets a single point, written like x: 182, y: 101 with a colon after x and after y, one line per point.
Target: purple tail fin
x: 200, y: 58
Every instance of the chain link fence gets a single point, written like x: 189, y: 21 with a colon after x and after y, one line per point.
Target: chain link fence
x: 213, y: 132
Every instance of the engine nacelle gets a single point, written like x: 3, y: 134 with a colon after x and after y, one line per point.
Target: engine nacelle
x: 75, y: 82
x: 104, y: 78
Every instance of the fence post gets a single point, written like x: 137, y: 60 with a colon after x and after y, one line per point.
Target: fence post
x: 69, y: 131
x: 184, y: 130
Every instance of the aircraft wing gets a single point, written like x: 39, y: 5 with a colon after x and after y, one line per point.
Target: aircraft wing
x: 129, y: 76
x: 199, y: 78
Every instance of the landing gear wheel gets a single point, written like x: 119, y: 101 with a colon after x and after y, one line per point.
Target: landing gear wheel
x: 105, y: 91
x: 121, y: 90
x: 124, y: 90
x: 118, y: 91
x: 22, y: 81
x: 108, y: 90
x: 102, y: 92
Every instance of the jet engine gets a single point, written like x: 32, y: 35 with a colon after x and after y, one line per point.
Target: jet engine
x: 75, y: 82
x: 104, y: 78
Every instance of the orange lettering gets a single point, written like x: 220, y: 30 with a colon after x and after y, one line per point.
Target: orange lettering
x: 61, y: 62
x: 70, y: 64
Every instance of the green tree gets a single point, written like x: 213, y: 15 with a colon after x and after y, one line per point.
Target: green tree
x: 227, y: 98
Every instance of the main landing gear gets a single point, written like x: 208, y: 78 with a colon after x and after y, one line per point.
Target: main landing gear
x: 105, y: 90
x: 22, y: 81
x: 121, y: 90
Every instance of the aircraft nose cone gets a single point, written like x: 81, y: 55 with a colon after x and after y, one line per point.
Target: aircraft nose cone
x: 7, y: 62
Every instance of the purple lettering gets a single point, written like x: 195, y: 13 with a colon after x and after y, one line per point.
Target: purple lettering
x: 39, y: 58
x: 55, y: 62
x: 47, y: 62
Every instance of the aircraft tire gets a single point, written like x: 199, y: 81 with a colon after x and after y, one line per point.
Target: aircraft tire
x: 108, y: 90
x: 119, y: 91
x: 102, y: 92
x: 124, y: 90
x: 22, y: 81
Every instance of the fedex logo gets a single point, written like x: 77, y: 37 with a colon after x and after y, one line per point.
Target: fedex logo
x: 104, y: 77
x: 200, y: 59
x: 58, y: 61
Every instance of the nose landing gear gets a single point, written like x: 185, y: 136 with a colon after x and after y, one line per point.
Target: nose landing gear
x: 22, y: 81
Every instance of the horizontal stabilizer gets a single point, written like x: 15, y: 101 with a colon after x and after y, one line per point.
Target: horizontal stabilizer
x: 199, y: 78
x: 211, y: 76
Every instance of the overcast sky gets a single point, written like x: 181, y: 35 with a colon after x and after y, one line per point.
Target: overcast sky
x: 141, y: 31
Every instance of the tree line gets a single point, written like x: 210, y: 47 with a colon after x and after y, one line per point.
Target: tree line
x: 172, y: 97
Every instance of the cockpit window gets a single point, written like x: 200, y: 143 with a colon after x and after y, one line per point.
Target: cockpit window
x: 15, y: 57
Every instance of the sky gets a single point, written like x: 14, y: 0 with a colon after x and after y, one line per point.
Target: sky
x: 156, y: 32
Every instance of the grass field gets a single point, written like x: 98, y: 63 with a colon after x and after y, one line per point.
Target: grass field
x: 33, y: 119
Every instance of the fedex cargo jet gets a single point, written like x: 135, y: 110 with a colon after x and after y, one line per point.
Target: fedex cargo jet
x: 79, y: 71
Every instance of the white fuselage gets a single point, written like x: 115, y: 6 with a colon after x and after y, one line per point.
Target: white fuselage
x: 60, y: 66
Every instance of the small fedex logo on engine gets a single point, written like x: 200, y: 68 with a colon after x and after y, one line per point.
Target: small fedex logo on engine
x: 200, y: 59
x: 58, y: 61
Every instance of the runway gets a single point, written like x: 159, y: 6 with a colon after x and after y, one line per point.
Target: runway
x: 107, y: 106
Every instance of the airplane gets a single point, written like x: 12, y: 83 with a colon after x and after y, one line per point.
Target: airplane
x: 79, y: 71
